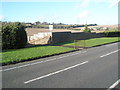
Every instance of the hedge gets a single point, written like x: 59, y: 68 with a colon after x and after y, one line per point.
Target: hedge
x: 13, y: 36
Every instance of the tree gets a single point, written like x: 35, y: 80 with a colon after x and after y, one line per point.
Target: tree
x: 37, y: 23
x: 87, y: 30
x: 13, y: 36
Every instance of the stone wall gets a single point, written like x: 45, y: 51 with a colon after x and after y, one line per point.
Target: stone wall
x: 42, y: 41
x: 58, y: 37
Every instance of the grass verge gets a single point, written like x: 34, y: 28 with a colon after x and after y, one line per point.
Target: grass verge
x: 100, y: 41
x: 19, y: 55
x: 91, y: 42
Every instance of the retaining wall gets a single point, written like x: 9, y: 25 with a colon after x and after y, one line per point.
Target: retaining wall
x: 59, y: 37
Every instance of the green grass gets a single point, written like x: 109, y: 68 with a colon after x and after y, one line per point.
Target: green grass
x: 31, y: 53
x: 100, y: 41
x: 92, y: 42
x: 65, y: 43
x: 17, y: 55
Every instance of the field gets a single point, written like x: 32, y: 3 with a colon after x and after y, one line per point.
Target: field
x: 32, y: 31
x: 19, y: 55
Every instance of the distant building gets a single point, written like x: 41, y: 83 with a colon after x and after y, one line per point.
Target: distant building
x: 50, y: 27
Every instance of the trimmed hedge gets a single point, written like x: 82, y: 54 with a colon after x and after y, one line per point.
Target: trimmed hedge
x: 114, y: 33
x: 13, y: 36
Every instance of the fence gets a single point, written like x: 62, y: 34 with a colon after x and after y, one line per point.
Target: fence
x: 79, y: 44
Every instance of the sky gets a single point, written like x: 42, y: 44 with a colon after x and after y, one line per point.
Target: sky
x: 101, y: 12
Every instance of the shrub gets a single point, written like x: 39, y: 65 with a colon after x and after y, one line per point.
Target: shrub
x: 13, y: 35
x: 87, y: 30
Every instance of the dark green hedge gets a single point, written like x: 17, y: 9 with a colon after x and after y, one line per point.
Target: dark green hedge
x: 114, y: 33
x: 13, y: 36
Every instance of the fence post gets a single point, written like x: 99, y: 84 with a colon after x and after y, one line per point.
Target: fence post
x: 84, y: 44
x: 74, y: 44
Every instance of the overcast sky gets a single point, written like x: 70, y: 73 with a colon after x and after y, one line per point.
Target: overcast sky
x: 102, y: 12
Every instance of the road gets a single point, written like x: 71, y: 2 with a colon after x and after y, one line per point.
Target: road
x: 89, y: 68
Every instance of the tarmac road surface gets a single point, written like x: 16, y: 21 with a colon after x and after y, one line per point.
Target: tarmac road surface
x: 89, y: 68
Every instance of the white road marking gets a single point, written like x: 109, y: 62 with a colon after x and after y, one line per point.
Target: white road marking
x: 40, y: 62
x: 27, y: 65
x: 78, y: 53
x: 84, y: 52
x: 114, y: 85
x: 110, y: 53
x: 55, y: 72
x: 62, y: 57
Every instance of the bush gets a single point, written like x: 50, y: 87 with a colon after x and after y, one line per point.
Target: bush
x: 13, y: 35
x: 87, y: 30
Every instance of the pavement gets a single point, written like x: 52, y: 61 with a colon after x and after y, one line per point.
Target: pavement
x: 89, y: 68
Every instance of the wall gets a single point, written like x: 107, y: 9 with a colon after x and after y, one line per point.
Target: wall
x: 58, y: 37
x: 42, y: 41
x: 39, y: 35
